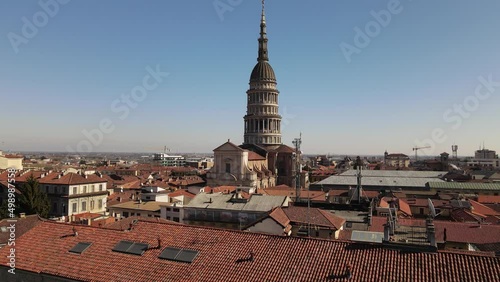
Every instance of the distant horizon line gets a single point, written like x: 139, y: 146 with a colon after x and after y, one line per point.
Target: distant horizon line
x: 200, y: 153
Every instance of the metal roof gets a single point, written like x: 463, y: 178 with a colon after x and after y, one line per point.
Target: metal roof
x: 221, y: 201
x: 464, y: 186
x: 396, y: 173
x: 367, y: 236
x: 341, y: 180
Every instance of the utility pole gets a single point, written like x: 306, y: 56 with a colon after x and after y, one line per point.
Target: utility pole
x: 298, y: 170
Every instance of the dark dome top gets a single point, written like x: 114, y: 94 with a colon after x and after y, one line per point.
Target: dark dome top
x: 262, y: 71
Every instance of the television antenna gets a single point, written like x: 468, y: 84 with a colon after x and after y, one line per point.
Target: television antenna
x: 432, y: 209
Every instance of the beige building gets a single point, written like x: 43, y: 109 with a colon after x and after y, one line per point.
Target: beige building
x: 396, y: 160
x: 235, y: 166
x: 11, y: 161
x: 136, y: 208
x: 70, y: 193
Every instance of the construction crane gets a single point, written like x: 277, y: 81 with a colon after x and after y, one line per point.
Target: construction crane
x: 419, y: 148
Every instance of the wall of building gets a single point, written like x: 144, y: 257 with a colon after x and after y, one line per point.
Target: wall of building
x: 268, y: 226
x: 6, y: 163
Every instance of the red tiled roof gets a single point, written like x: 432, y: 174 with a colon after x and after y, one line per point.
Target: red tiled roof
x: 482, y: 210
x: 252, y: 156
x: 488, y: 199
x: 13, y: 157
x: 404, y: 207
x: 316, y: 217
x: 284, y: 149
x: 219, y: 189
x: 181, y: 192
x: 280, y: 217
x: 23, y: 225
x: 70, y: 179
x: 224, y: 256
x: 124, y: 223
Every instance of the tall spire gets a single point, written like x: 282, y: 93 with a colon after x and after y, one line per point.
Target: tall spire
x: 263, y: 56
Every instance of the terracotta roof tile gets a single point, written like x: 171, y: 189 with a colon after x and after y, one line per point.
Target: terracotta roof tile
x: 224, y: 256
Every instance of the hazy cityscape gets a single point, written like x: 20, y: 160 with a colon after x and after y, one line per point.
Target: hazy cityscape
x: 140, y: 141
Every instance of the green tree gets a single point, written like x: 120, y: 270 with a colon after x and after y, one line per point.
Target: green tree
x: 32, y: 199
x: 4, y: 210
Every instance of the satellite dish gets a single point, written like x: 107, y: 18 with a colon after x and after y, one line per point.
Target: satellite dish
x: 431, y: 208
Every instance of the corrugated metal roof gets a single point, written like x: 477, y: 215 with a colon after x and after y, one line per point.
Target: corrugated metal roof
x: 340, y: 180
x: 464, y: 186
x: 396, y: 173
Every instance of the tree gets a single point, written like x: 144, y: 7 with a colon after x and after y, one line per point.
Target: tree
x: 32, y: 200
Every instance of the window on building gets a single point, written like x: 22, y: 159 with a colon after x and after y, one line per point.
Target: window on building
x: 125, y: 214
x: 84, y: 189
x: 92, y: 188
x: 92, y: 205
x: 169, y: 218
x: 99, y: 204
x: 100, y: 187
x: 169, y: 209
x: 74, y: 207
x: 176, y: 210
x: 228, y: 168
x: 75, y: 190
x: 176, y: 219
x: 54, y: 207
x: 84, y: 206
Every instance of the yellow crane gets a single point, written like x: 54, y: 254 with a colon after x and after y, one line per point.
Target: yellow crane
x: 419, y: 148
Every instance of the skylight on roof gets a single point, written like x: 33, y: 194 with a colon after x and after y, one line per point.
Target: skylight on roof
x: 133, y: 248
x: 180, y: 255
x: 80, y: 247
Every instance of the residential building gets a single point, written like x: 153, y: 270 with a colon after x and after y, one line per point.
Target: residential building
x: 231, y: 211
x: 172, y: 211
x: 200, y: 163
x: 397, y: 160
x: 136, y: 208
x: 299, y: 221
x: 70, y: 193
x: 485, y: 158
x: 167, y: 160
x: 11, y: 161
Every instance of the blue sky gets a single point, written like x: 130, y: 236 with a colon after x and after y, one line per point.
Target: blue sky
x: 391, y: 95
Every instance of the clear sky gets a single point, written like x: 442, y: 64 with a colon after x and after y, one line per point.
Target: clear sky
x: 392, y: 93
